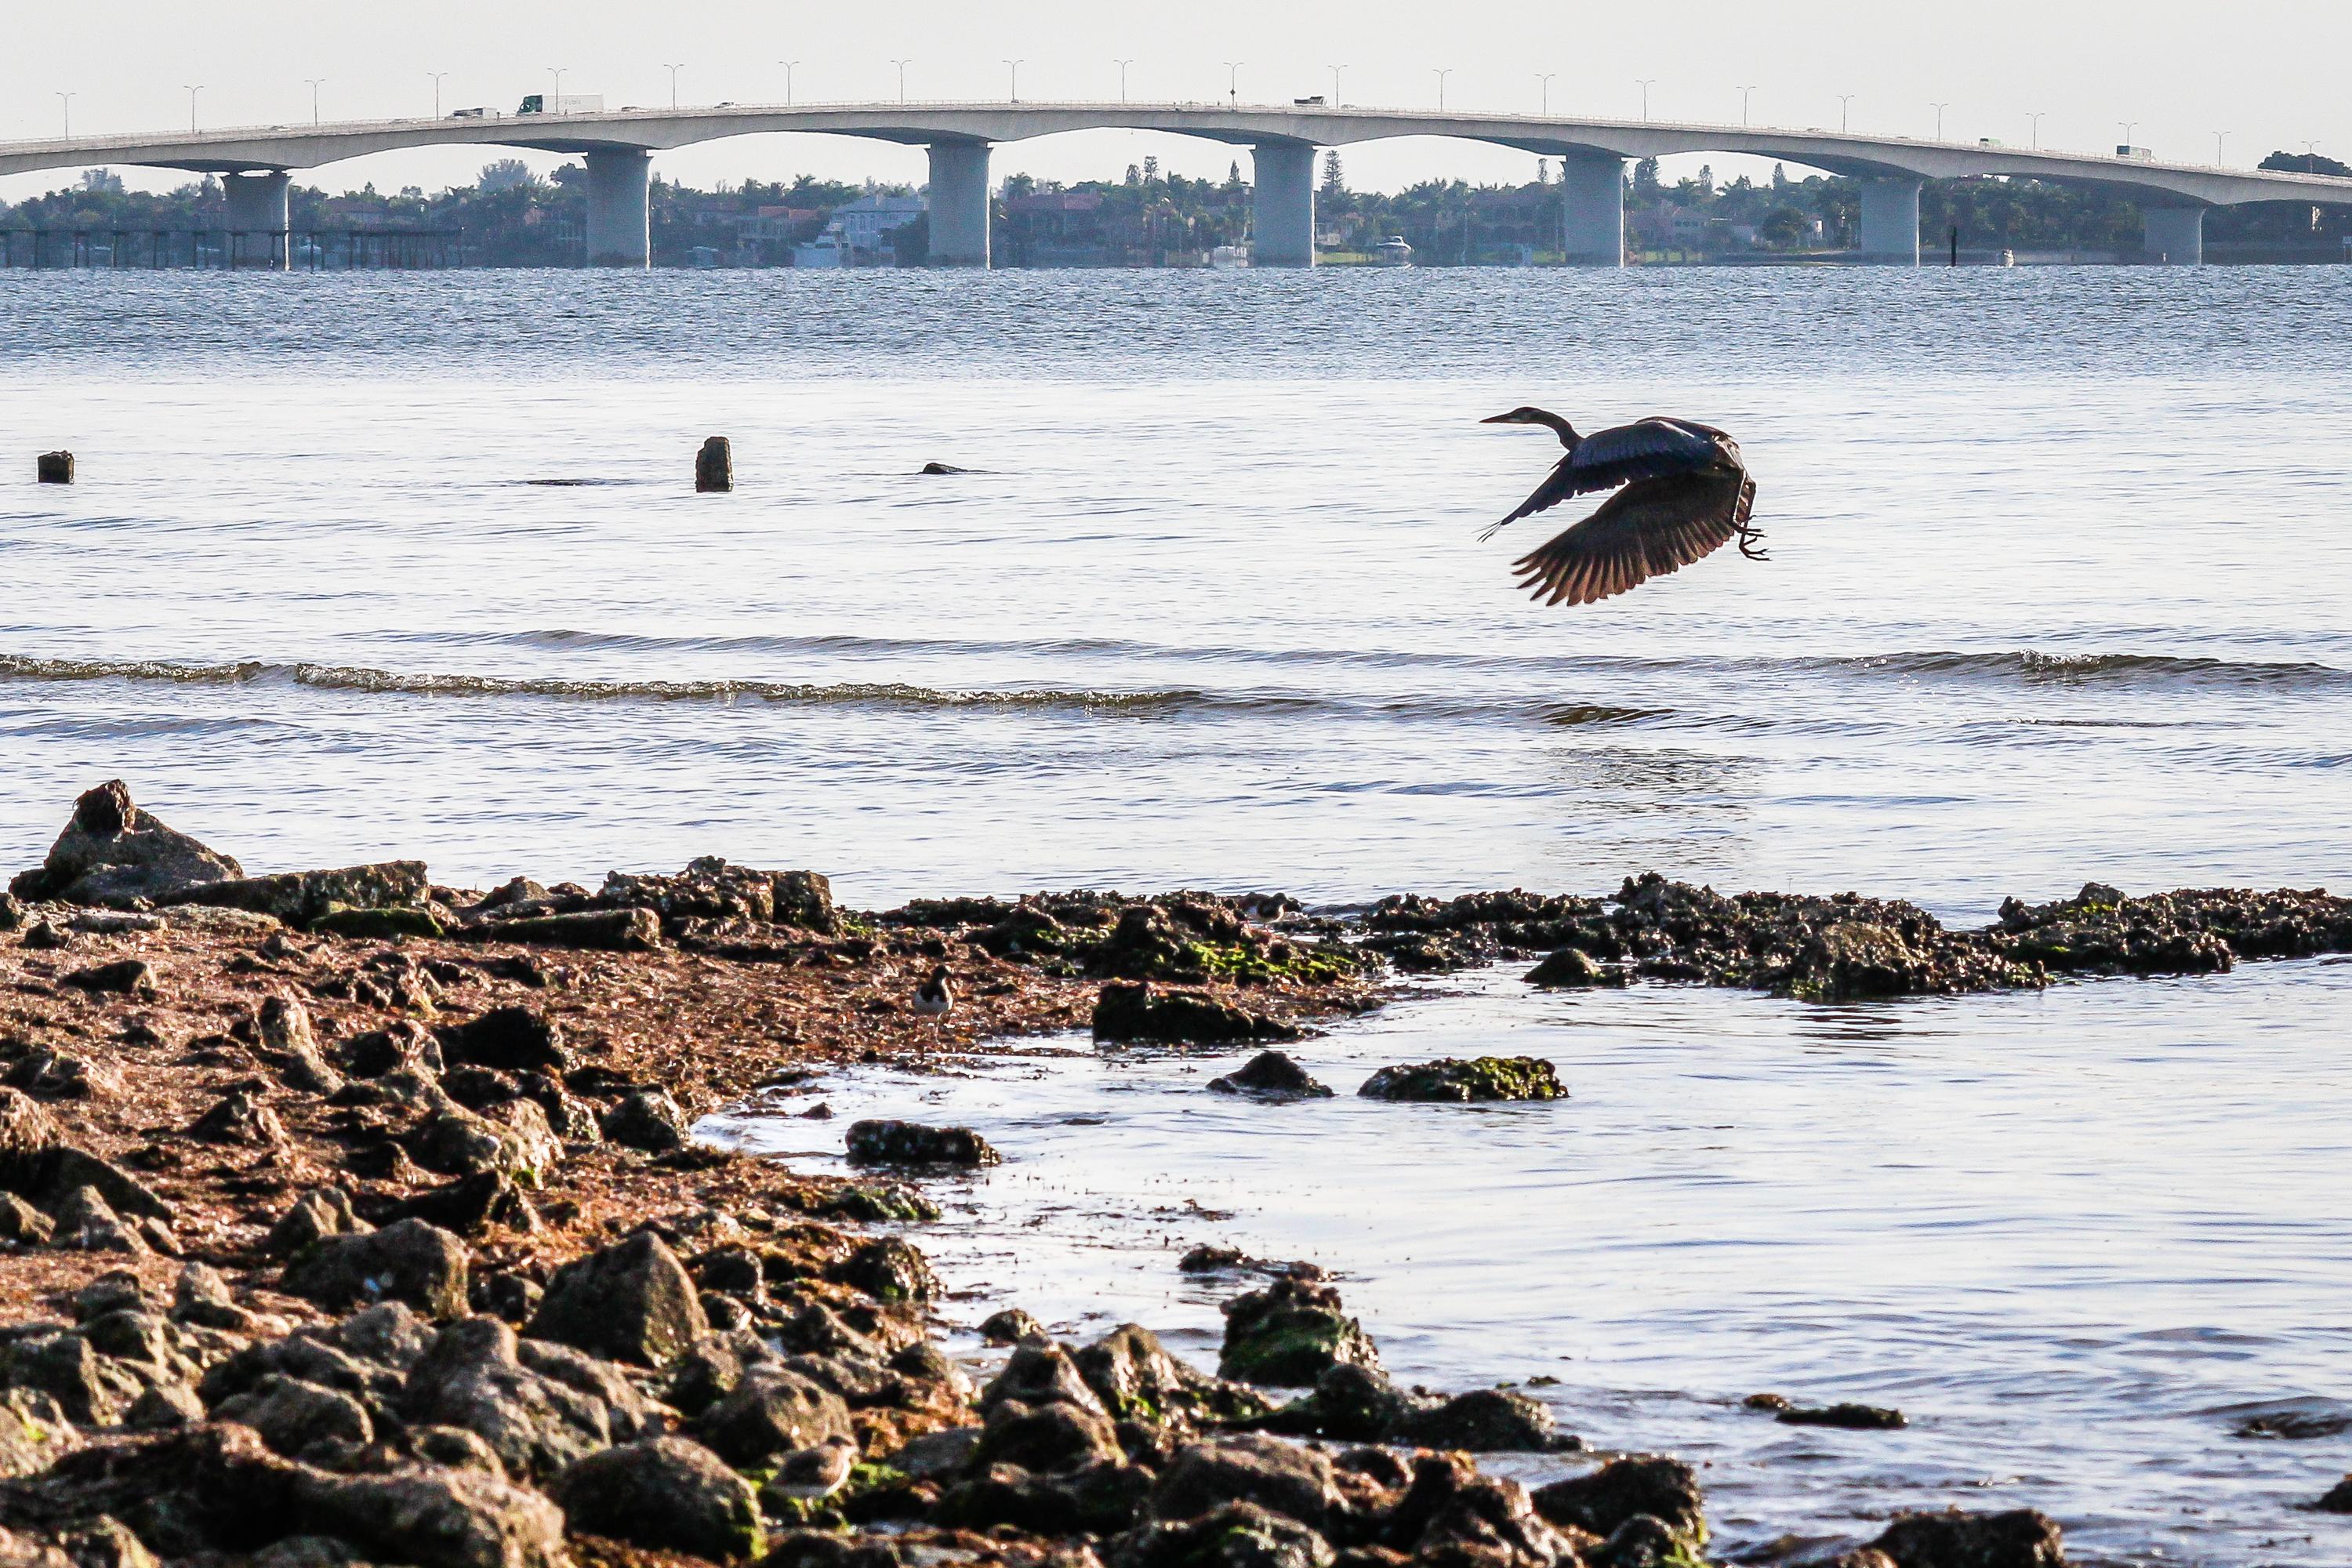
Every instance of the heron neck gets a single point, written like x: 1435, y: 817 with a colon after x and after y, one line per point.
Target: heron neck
x: 1561, y: 428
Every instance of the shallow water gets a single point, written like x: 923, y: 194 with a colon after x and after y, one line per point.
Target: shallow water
x: 2077, y: 1236
x: 2057, y: 591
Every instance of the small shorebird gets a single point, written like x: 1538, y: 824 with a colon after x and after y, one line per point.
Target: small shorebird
x: 811, y: 1474
x: 1686, y: 493
x: 934, y: 996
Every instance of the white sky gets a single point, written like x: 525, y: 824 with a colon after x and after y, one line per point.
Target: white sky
x: 2271, y: 72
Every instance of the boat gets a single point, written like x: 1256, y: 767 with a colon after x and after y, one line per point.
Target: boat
x: 1393, y: 252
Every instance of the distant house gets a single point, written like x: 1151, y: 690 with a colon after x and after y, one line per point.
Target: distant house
x: 865, y: 223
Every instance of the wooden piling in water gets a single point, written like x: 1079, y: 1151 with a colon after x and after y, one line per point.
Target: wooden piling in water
x: 714, y: 466
x: 54, y: 467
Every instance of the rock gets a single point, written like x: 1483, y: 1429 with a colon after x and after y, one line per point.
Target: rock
x: 772, y: 1411
x: 300, y: 898
x: 435, y: 1519
x: 112, y: 853
x: 1853, y: 1418
x: 403, y: 1046
x: 126, y: 978
x: 512, y: 1039
x: 377, y: 925
x: 1041, y: 1373
x: 1572, y: 969
x: 935, y: 1455
x: 1239, y: 1535
x: 1137, y: 1380
x: 296, y: 1417
x: 164, y: 1407
x: 20, y: 1222
x: 87, y: 1222
x: 474, y: 1377
x: 879, y: 1142
x: 1349, y: 1404
x: 51, y: 1176
x: 1095, y: 1499
x: 42, y: 936
x: 201, y: 1297
x: 889, y: 1270
x: 2337, y: 1498
x: 1046, y: 1439
x: 471, y: 1205
x: 52, y: 1075
x: 239, y: 1116
x: 12, y: 912
x: 1479, y: 1079
x: 410, y: 1261
x: 647, y: 1118
x: 711, y: 891
x: 319, y: 1213
x: 876, y: 1203
x: 1767, y: 1402
x: 457, y: 1449
x: 1484, y: 1421
x: 1132, y: 1013
x: 666, y: 1494
x: 2019, y: 1538
x: 1451, y: 1514
x: 610, y: 931
x: 1289, y: 1334
x: 93, y: 1390
x: 631, y: 1303
x: 1011, y: 1327
x: 1271, y: 1074
x: 1282, y: 1477
x: 1604, y: 1498
x: 1641, y: 1542
x: 516, y: 1143
x: 286, y: 1040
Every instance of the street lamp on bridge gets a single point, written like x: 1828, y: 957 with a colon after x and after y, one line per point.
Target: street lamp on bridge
x: 555, y: 104
x: 1744, y: 93
x: 1122, y: 66
x: 1940, y: 109
x: 314, y: 81
x: 673, y: 70
x: 1234, y: 82
x: 1014, y: 67
x: 2219, y: 137
x: 788, y: 66
x: 1845, y: 105
x: 66, y: 100
x: 1335, y: 72
x: 1544, y: 77
x: 1646, y: 84
x: 436, y: 77
x: 902, y: 66
x: 2128, y: 127
x: 1441, y: 76
x: 191, y: 104
x: 2034, y: 119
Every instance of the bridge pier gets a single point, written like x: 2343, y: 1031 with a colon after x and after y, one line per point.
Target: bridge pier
x: 620, y: 225
x: 1592, y: 210
x: 1890, y: 221
x: 257, y: 205
x: 1282, y: 220
x: 2175, y: 236
x: 959, y: 203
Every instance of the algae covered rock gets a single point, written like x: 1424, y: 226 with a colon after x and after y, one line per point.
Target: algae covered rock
x: 1138, y: 1379
x: 1664, y: 1489
x: 633, y: 1303
x: 1290, y: 1334
x: 1455, y: 1080
x: 411, y: 1261
x: 1238, y: 1535
x: 1572, y: 969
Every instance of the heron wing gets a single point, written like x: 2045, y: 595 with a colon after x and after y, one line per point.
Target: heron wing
x: 1648, y: 529
x: 1645, y: 450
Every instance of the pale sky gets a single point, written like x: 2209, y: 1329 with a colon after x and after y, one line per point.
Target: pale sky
x: 2270, y: 72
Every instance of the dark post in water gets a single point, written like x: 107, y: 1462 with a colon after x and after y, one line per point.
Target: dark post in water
x: 54, y: 467
x: 714, y: 466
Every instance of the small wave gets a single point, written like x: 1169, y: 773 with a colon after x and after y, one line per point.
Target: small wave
x: 2110, y: 669
x: 361, y: 678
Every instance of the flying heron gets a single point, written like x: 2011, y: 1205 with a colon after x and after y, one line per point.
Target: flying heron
x: 1685, y: 493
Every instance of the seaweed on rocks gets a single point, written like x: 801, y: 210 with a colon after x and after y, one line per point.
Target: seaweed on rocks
x: 1291, y: 1334
x: 1481, y: 1079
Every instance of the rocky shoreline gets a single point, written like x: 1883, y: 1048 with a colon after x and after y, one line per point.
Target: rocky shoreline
x: 347, y: 1217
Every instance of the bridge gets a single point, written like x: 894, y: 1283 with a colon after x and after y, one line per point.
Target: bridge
x: 617, y: 147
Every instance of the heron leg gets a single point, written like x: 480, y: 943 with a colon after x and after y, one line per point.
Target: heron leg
x: 1749, y: 537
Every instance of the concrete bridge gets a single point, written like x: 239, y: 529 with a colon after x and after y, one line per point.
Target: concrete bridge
x: 617, y: 147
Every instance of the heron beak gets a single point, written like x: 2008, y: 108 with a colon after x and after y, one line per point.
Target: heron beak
x: 1500, y: 419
